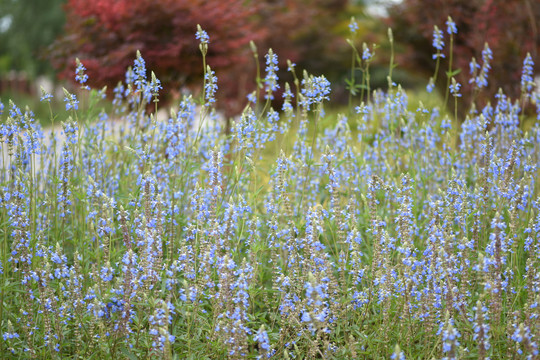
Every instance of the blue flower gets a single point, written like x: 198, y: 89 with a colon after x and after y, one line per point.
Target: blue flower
x: 438, y: 41
x: 154, y: 86
x: 262, y: 338
x: 315, y: 90
x: 202, y: 35
x: 430, y: 86
x: 451, y: 26
x: 481, y: 79
x: 45, y: 96
x: 271, y: 78
x: 353, y: 26
x: 210, y: 86
x: 366, y: 53
x: 12, y: 335
x: 71, y: 101
x: 252, y: 98
x: 454, y: 88
x: 139, y: 72
x: 287, y: 96
x: 397, y: 354
x: 80, y: 75
x: 527, y: 81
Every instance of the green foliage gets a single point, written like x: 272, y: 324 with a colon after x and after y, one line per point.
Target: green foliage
x: 34, y: 24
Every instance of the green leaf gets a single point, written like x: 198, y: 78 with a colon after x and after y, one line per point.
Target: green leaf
x: 128, y: 353
x: 453, y: 73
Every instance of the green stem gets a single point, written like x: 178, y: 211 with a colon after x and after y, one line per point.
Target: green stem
x: 368, y: 87
x: 258, y: 69
x: 353, y: 61
x: 437, y: 64
x: 4, y: 275
x: 311, y: 156
x: 449, y: 74
x: 391, y: 39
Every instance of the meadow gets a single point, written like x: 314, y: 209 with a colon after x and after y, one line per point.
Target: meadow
x: 391, y: 230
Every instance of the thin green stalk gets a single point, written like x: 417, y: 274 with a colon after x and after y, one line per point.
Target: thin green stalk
x: 368, y: 86
x: 191, y: 321
x: 173, y: 205
x: 455, y: 109
x: 391, y: 39
x: 4, y: 262
x: 437, y: 65
x: 449, y: 73
x: 258, y: 83
x: 311, y: 155
x: 296, y: 82
x: 202, y: 118
x: 154, y: 117
x: 353, y: 72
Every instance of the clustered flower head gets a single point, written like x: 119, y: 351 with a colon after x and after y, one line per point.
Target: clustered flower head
x: 451, y: 26
x: 45, y: 96
x: 139, y: 72
x: 479, y: 78
x: 438, y: 41
x: 367, y: 55
x: 210, y: 87
x: 527, y: 80
x: 315, y: 89
x: 271, y: 78
x: 154, y: 86
x: 80, y: 75
x: 203, y: 38
x: 353, y: 26
x: 70, y: 100
x: 202, y: 35
x: 454, y: 88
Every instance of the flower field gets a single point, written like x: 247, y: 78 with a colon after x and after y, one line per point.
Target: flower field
x: 395, y: 232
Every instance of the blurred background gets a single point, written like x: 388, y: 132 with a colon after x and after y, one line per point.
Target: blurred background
x: 39, y: 41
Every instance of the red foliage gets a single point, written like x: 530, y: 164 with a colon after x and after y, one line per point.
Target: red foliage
x: 510, y: 27
x: 105, y: 36
x: 300, y: 30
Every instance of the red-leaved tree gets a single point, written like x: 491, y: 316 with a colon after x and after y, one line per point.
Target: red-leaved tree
x: 105, y: 36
